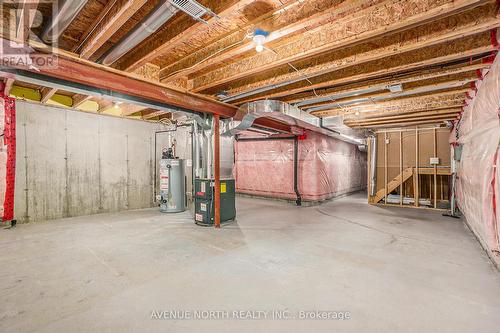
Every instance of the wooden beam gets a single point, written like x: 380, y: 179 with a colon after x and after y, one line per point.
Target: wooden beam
x: 403, y: 112
x: 421, y: 90
x: 80, y: 99
x: 130, y: 109
x: 183, y: 30
x: 373, y: 104
x: 301, y: 94
x: 286, y: 20
x: 383, y: 68
x: 153, y: 114
x: 402, y: 120
x: 409, y: 124
x: 9, y: 82
x: 85, y: 35
x: 106, y: 107
x: 118, y: 14
x: 76, y: 70
x: 454, y: 98
x: 362, y: 54
x: 26, y: 11
x: 384, y: 82
x: 47, y: 94
x: 368, y: 24
x: 393, y: 184
x: 430, y: 171
x: 352, y: 121
x: 406, y: 124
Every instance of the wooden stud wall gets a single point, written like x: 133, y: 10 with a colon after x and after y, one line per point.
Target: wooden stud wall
x: 413, y: 148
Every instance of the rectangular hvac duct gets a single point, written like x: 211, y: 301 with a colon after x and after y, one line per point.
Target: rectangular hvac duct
x: 193, y: 9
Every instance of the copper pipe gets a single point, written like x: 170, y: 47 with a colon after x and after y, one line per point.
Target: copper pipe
x: 217, y: 171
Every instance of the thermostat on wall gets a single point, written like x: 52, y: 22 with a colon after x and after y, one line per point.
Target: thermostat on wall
x: 434, y: 160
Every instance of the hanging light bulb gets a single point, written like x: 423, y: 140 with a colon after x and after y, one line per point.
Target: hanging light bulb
x: 259, y: 38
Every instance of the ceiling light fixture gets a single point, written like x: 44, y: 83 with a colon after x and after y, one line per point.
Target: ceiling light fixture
x: 259, y: 38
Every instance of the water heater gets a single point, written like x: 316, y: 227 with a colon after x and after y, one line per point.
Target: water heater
x: 172, y: 185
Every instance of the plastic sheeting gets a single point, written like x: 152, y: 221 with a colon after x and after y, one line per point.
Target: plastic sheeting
x: 327, y: 168
x: 3, y: 157
x: 478, y: 183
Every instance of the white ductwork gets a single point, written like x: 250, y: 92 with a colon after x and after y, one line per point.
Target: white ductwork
x: 67, y: 11
x: 394, y: 93
x: 289, y: 115
x: 158, y: 17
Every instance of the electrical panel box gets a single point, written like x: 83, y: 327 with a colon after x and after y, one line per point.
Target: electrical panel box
x: 204, y: 201
x: 434, y: 161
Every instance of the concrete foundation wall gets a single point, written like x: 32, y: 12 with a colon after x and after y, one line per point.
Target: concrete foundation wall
x: 71, y: 163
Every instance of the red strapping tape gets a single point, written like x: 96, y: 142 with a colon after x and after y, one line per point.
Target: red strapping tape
x: 489, y: 59
x: 473, y: 86
x: 494, y: 39
x: 479, y: 74
x: 10, y: 141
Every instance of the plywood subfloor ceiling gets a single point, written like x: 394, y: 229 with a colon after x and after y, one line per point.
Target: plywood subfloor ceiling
x: 376, y: 63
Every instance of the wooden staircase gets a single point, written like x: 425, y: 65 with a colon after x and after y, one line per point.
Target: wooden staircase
x: 393, y: 184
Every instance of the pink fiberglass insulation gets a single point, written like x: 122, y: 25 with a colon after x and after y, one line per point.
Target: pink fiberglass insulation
x: 478, y: 183
x: 327, y: 168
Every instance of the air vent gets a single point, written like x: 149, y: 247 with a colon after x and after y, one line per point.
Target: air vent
x: 193, y: 9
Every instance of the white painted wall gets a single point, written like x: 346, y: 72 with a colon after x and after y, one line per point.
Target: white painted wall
x: 71, y: 163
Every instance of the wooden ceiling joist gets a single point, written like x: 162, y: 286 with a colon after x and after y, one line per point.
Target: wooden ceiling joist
x: 399, y: 121
x: 420, y: 90
x: 378, y: 83
x: 105, y: 107
x: 371, y: 118
x: 79, y: 100
x: 371, y: 22
x: 407, y: 123
x: 404, y: 105
x: 439, y: 95
x: 47, y: 94
x: 441, y: 54
x: 182, y: 29
x: 115, y: 17
x: 282, y: 22
x: 399, y: 118
x: 9, y: 82
x: 153, y: 114
x: 358, y: 58
x: 130, y: 109
x: 402, y: 112
x: 377, y: 63
x: 26, y: 14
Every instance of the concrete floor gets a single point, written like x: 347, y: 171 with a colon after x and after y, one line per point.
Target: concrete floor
x: 394, y: 270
